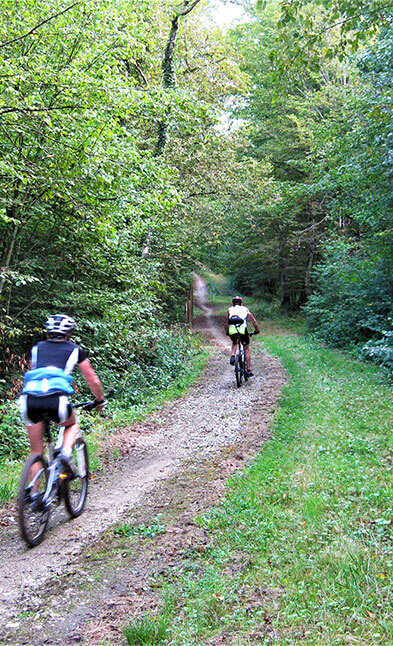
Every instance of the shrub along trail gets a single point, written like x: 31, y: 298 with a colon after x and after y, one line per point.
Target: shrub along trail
x: 82, y: 583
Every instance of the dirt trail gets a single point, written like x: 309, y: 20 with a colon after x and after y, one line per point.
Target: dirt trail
x: 213, y: 420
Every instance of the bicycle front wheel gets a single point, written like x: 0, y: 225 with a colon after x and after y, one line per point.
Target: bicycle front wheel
x: 74, y: 488
x: 33, y: 515
x: 238, y: 369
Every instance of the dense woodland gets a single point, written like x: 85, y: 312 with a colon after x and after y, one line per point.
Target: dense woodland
x: 141, y: 142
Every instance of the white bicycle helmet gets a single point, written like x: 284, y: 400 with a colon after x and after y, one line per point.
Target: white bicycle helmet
x: 59, y: 324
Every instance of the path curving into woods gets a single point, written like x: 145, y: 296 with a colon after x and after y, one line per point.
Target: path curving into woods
x: 180, y: 456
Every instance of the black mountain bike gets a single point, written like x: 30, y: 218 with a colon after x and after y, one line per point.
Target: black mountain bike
x: 240, y: 360
x: 44, y: 484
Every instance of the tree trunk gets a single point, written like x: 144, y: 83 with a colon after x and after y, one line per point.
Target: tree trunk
x: 307, y: 278
x: 285, y: 291
x: 9, y: 250
x: 146, y: 245
x: 190, y: 304
x: 168, y: 79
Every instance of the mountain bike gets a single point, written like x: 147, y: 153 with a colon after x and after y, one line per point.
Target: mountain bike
x: 240, y: 360
x: 44, y: 484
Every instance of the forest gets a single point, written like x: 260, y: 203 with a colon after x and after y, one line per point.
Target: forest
x: 146, y: 146
x: 141, y: 141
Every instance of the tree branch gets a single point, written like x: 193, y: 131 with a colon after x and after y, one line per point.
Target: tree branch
x: 337, y: 24
x: 58, y: 107
x: 358, y: 15
x: 40, y: 24
x: 310, y: 228
x: 186, y: 7
x: 201, y: 194
x: 140, y: 72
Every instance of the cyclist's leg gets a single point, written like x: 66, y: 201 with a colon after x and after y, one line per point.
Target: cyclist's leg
x: 35, y: 433
x: 70, y: 433
x: 32, y: 419
x: 35, y: 429
x: 248, y: 356
x: 246, y: 343
x: 59, y: 410
x: 234, y: 339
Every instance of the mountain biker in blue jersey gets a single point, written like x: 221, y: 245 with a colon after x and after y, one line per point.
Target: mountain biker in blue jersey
x: 236, y: 325
x: 47, y: 386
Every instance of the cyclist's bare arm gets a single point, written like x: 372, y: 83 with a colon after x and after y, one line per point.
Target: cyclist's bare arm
x: 253, y: 321
x: 92, y: 380
x: 227, y: 322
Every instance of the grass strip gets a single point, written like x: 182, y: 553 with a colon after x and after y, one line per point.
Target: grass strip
x: 301, y: 550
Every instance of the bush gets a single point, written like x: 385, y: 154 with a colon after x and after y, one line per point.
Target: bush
x: 157, y: 360
x: 353, y: 300
x: 380, y: 350
x: 14, y: 444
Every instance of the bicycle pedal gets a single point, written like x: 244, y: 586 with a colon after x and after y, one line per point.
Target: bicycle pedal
x: 35, y: 501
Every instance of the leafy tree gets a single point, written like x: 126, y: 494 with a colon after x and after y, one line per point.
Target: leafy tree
x: 359, y: 178
x: 278, y: 244
x: 81, y: 186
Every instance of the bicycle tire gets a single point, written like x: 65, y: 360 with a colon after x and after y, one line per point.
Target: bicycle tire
x: 238, y: 370
x: 33, y: 522
x: 244, y: 365
x: 74, y: 489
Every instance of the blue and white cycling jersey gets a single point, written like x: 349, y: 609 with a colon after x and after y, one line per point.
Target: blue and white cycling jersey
x: 48, y: 380
x: 52, y: 362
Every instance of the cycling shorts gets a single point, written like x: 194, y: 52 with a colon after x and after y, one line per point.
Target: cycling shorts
x: 244, y: 338
x: 33, y: 409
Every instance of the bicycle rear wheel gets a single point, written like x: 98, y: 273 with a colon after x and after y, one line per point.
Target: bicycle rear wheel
x: 33, y: 516
x: 75, y: 488
x: 244, y: 365
x: 238, y: 369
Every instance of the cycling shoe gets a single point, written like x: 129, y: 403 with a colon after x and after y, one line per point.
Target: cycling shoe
x: 65, y: 462
x: 36, y: 501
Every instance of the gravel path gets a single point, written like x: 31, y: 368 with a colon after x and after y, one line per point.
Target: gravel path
x: 213, y: 416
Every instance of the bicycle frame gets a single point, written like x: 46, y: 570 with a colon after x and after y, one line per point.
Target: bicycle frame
x: 240, y: 359
x: 53, y: 465
x: 46, y: 481
x: 54, y: 468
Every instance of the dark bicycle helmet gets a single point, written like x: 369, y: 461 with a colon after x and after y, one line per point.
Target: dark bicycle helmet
x: 59, y: 325
x: 237, y: 300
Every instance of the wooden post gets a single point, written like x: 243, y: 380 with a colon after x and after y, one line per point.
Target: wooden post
x: 190, y: 305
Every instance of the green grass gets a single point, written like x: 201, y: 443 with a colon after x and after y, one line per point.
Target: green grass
x: 9, y: 480
x: 301, y: 551
x: 146, y: 630
x: 152, y: 530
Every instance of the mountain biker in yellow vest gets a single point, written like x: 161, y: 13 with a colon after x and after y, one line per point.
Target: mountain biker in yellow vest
x: 47, y: 386
x: 239, y: 315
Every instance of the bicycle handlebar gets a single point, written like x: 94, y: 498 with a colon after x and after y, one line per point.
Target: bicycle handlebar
x: 89, y: 406
x: 249, y: 334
